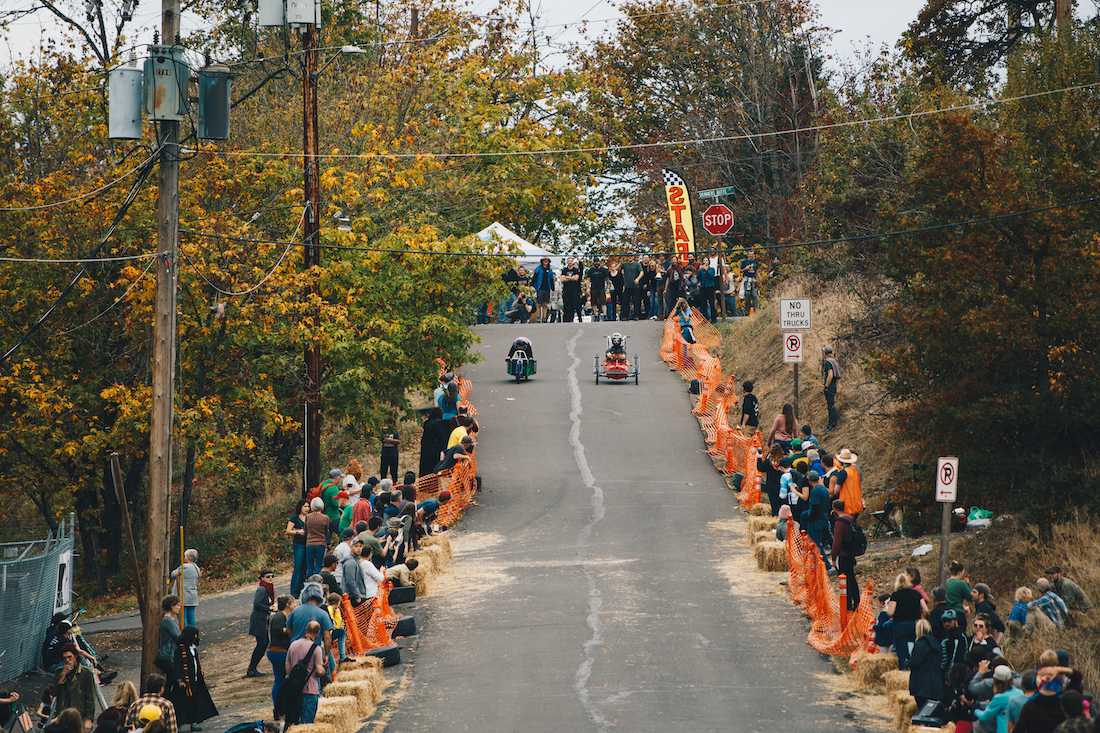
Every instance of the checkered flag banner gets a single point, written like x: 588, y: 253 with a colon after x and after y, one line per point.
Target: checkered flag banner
x: 672, y: 178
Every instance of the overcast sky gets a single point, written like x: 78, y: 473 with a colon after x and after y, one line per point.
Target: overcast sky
x: 857, y: 21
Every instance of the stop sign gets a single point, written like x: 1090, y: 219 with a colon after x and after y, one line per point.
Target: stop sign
x: 718, y: 219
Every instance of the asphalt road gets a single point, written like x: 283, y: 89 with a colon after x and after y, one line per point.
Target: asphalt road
x: 606, y: 593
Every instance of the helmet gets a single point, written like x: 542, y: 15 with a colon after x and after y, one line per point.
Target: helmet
x: 616, y: 339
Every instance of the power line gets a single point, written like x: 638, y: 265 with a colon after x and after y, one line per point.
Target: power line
x: 81, y: 196
x: 787, y: 245
x: 81, y: 260
x: 662, y: 144
x: 143, y: 174
x: 264, y: 279
x: 108, y: 309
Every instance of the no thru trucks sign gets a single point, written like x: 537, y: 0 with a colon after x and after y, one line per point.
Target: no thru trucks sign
x: 795, y: 315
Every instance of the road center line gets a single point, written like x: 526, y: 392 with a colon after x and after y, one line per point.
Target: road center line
x: 595, y: 600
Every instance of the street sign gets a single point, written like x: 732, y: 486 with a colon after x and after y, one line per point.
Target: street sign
x: 717, y: 219
x: 792, y: 348
x: 795, y: 315
x: 717, y: 193
x: 947, y: 480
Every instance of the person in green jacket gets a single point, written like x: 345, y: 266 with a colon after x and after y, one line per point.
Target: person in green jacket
x: 75, y: 684
x: 330, y: 487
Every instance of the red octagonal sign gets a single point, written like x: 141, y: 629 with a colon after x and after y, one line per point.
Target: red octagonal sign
x: 718, y: 219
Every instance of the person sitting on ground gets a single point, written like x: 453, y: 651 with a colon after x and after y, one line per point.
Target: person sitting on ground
x: 522, y: 344
x: 809, y: 440
x: 401, y: 574
x: 74, y: 686
x: 783, y: 428
x: 925, y: 668
x: 1075, y: 598
x: 1050, y: 603
x: 983, y: 604
x: 994, y: 717
x: 152, y: 693
x: 328, y: 572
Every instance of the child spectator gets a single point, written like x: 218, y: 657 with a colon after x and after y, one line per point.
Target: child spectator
x: 338, y: 630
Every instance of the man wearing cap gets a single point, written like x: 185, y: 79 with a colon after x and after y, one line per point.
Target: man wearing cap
x: 330, y: 488
x: 830, y: 376
x: 954, y: 645
x: 1076, y: 598
x: 846, y: 482
x: 152, y: 691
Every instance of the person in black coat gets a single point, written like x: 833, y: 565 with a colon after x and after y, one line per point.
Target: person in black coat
x: 925, y: 670
x: 263, y: 603
x: 190, y: 697
x: 433, y: 441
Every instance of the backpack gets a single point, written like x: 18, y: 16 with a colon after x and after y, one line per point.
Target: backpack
x: 290, y: 694
x: 856, y: 541
x: 314, y: 493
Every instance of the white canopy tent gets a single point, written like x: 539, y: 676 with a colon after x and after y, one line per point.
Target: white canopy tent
x: 532, y: 253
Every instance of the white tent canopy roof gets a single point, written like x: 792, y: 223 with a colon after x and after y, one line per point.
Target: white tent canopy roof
x: 532, y: 253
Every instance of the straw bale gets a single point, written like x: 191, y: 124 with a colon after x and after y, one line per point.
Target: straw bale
x: 442, y: 540
x: 760, y: 510
x: 870, y: 668
x: 313, y: 728
x: 905, y: 707
x: 761, y: 524
x: 342, y: 713
x: 771, y: 556
x: 423, y: 573
x: 438, y: 555
x: 372, y: 677
x: 357, y: 663
x: 358, y: 689
x: 764, y: 536
x: 897, y: 679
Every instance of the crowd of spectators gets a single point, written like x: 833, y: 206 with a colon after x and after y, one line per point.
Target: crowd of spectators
x: 952, y: 641
x: 627, y: 288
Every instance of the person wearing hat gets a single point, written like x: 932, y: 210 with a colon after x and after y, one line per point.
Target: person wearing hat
x: 330, y: 488
x: 955, y: 645
x: 846, y: 482
x: 813, y: 456
x: 830, y: 377
x: 152, y: 696
x: 263, y: 605
x: 994, y: 717
x: 983, y: 604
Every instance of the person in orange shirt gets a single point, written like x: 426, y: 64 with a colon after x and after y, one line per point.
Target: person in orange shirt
x: 846, y: 482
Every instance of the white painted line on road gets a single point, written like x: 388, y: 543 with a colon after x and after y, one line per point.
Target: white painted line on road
x: 595, y: 600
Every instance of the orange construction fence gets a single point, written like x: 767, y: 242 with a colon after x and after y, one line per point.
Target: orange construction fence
x: 364, y: 625
x: 717, y: 396
x: 833, y: 630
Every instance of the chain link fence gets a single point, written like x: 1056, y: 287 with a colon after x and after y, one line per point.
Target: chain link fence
x: 35, y: 583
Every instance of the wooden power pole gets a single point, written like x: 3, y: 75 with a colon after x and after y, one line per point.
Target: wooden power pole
x: 164, y: 364
x: 312, y: 252
x: 1062, y: 18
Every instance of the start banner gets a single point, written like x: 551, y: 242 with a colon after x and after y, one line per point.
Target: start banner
x: 679, y: 214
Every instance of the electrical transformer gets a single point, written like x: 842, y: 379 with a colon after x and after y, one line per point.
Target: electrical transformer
x: 271, y: 13
x: 124, y: 101
x: 214, y: 91
x: 166, y: 77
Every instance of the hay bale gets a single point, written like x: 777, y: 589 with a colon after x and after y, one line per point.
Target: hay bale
x: 357, y: 663
x: 442, y: 540
x: 342, y: 713
x: 761, y: 524
x: 869, y: 669
x: 771, y: 556
x: 313, y: 728
x: 760, y: 510
x: 358, y: 689
x: 765, y: 536
x: 371, y: 677
x: 905, y: 707
x: 895, y: 680
x: 423, y: 573
x: 438, y: 555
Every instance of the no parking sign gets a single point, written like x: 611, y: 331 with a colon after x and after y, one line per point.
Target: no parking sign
x: 792, y: 348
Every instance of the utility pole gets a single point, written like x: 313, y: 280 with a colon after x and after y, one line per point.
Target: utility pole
x: 1062, y: 18
x: 164, y: 364
x: 312, y: 252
